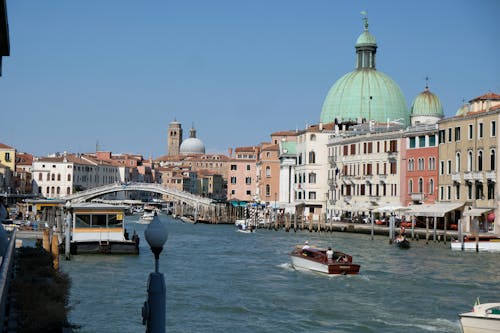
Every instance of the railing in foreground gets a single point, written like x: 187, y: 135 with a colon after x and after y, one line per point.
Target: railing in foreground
x: 6, y: 270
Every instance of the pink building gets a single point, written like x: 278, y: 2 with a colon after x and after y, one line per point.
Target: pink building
x: 242, y: 174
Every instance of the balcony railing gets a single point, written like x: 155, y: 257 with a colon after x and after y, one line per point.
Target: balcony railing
x: 468, y: 176
x: 478, y: 176
x: 491, y: 176
x: 417, y: 196
x: 456, y: 177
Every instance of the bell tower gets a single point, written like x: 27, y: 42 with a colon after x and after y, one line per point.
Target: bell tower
x: 174, y: 138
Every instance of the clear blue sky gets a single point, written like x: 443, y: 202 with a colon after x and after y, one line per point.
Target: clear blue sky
x: 118, y: 71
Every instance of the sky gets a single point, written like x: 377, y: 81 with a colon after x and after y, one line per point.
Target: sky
x: 113, y: 74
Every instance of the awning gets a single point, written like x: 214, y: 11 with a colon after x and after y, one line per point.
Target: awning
x: 391, y: 209
x: 476, y: 211
x: 434, y: 210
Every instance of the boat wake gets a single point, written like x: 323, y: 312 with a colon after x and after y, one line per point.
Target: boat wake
x: 426, y: 324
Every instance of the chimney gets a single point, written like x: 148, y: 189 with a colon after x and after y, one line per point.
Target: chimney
x: 230, y: 152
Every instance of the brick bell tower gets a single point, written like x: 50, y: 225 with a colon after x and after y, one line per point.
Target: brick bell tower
x: 174, y: 138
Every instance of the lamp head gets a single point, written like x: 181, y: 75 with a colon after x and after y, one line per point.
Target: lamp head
x: 156, y: 233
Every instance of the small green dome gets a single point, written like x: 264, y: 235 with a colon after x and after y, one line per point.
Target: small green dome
x: 366, y: 38
x: 462, y: 111
x: 365, y: 93
x: 427, y: 104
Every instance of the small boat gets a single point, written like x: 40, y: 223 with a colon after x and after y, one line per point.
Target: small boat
x: 484, y: 318
x: 315, y: 259
x: 245, y: 226
x: 485, y: 242
x: 402, y: 242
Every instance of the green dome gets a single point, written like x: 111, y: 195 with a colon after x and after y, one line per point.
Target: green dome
x: 427, y: 104
x: 365, y: 93
x: 366, y: 38
x: 462, y: 111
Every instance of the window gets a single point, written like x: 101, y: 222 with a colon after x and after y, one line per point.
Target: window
x: 233, y: 180
x: 442, y: 138
x: 432, y: 141
x: 457, y: 133
x: 471, y: 132
x: 421, y: 164
x: 492, y: 160
x: 268, y: 190
x: 40, y: 176
x: 59, y: 177
x: 312, y: 178
x: 479, y: 191
x: 431, y: 186
x: 457, y: 162
x: 441, y: 167
x: 248, y: 180
x: 312, y: 157
x: 432, y: 163
x: 268, y: 171
x: 7, y: 157
x: 469, y: 191
x: 68, y: 191
x: 493, y: 128
x: 441, y: 192
x: 393, y: 168
x: 248, y: 192
x: 69, y: 177
x: 469, y: 160
x: 48, y: 176
x: 353, y: 149
x: 480, y: 160
x: 457, y: 191
x: 233, y: 167
x: 480, y: 131
x: 248, y: 167
x: 449, y: 192
x: 393, y: 146
x: 412, y: 142
x: 491, y: 190
x: 53, y: 177
x: 421, y: 141
x: 410, y: 186
x: 313, y: 137
x: 420, y: 185
x: 411, y: 164
x: 449, y: 135
x: 312, y: 195
x: 449, y: 168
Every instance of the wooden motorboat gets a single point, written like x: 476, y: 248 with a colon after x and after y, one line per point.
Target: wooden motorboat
x: 315, y: 259
x: 483, y: 318
x: 489, y: 243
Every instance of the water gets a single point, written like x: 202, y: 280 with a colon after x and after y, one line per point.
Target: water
x: 219, y: 280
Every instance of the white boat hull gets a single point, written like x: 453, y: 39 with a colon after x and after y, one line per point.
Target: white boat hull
x: 471, y: 246
x: 480, y: 324
x: 306, y: 264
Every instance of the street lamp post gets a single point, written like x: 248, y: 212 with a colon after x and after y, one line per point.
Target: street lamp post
x: 153, y: 311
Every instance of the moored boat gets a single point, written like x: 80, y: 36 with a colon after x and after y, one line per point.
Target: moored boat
x: 402, y: 242
x: 485, y: 242
x: 315, y: 259
x: 99, y: 228
x: 484, y: 318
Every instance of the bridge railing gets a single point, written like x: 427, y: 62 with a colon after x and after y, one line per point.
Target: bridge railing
x: 6, y: 272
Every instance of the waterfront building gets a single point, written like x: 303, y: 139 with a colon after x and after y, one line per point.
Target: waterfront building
x: 216, y: 163
x: 172, y: 176
x: 419, y: 180
x: 468, y: 161
x: 7, y: 168
x: 365, y: 168
x: 22, y: 176
x: 61, y: 175
x: 242, y: 174
x: 268, y: 168
x: 288, y: 159
x: 310, y: 172
x: 211, y: 185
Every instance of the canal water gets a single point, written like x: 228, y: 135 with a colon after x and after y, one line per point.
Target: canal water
x: 219, y: 280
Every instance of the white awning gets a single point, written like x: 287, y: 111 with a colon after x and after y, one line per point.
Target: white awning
x: 434, y: 210
x: 392, y: 209
x: 476, y: 211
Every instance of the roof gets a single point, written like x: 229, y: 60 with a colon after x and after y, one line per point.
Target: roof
x: 476, y: 211
x: 4, y: 146
x: 488, y: 96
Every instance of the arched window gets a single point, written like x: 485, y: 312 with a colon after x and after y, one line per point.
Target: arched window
x: 268, y: 171
x: 420, y: 185
x: 48, y: 177
x: 69, y: 177
x: 431, y: 186
x: 47, y: 192
x: 53, y: 176
x: 457, y: 162
x: 313, y: 137
x: 40, y: 176
x: 52, y: 190
x: 268, y: 190
x: 492, y: 160
x: 410, y: 186
x: 469, y: 160
x: 300, y: 158
x: 312, y: 157
x: 480, y: 160
x: 68, y: 190
x: 58, y: 190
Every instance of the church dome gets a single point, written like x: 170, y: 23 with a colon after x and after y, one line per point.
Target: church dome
x: 365, y: 93
x: 192, y: 145
x: 463, y: 110
x: 426, y: 108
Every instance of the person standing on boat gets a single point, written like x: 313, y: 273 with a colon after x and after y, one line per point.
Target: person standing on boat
x: 306, y: 246
x: 329, y: 253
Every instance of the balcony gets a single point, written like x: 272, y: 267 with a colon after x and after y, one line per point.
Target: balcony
x: 456, y: 178
x: 417, y: 197
x: 374, y: 198
x: 478, y: 177
x: 332, y: 160
x: 491, y: 176
x: 392, y: 155
x: 468, y: 177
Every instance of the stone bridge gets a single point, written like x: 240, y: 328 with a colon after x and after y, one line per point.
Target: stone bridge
x: 185, y: 203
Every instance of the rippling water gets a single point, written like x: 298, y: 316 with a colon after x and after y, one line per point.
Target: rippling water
x: 219, y: 280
